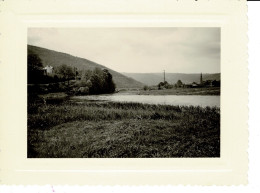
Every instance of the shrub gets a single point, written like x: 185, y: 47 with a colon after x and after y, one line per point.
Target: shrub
x: 83, y: 90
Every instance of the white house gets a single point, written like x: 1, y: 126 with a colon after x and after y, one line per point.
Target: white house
x: 49, y: 69
x: 194, y: 84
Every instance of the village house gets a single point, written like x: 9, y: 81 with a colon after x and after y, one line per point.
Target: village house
x: 194, y: 84
x: 48, y: 69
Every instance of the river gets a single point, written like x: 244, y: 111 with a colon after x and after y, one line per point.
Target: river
x: 185, y: 100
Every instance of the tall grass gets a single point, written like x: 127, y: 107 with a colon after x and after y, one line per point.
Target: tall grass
x: 113, y: 129
x: 47, y: 116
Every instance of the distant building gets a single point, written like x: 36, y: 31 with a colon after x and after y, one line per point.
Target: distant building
x: 208, y: 83
x: 194, y: 84
x: 48, y: 69
x: 201, y: 83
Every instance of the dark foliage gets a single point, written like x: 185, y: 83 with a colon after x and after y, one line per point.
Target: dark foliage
x: 164, y: 85
x: 97, y: 81
x: 92, y: 82
x: 65, y: 72
x: 34, y: 69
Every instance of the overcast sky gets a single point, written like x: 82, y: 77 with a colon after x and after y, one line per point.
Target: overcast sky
x: 179, y: 50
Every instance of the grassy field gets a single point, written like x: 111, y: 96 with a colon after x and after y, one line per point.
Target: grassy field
x: 114, y: 130
x: 176, y: 91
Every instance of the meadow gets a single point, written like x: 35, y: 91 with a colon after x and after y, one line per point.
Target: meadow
x: 67, y: 129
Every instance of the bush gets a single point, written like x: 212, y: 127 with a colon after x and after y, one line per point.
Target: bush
x: 146, y: 87
x: 83, y: 90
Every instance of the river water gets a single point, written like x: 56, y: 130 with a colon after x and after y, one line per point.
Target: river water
x: 185, y: 100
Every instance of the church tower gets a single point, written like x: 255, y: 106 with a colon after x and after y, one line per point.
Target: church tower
x: 201, y: 81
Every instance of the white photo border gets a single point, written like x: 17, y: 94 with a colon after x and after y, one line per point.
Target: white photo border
x: 230, y: 169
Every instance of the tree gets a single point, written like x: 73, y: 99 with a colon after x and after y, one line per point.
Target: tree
x: 108, y: 85
x: 34, y: 68
x: 86, y: 75
x: 101, y: 81
x: 34, y: 62
x: 97, y: 81
x: 162, y: 85
x: 167, y: 85
x: 179, y: 83
x: 65, y: 72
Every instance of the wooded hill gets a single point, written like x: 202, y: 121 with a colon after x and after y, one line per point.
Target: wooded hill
x: 150, y: 79
x: 55, y: 59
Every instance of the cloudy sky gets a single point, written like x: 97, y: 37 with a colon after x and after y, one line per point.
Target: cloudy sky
x: 179, y: 50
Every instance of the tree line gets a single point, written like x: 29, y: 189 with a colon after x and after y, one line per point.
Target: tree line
x: 180, y: 84
x: 97, y: 81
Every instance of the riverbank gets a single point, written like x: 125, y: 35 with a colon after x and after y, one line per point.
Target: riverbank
x: 174, y: 91
x: 114, y: 129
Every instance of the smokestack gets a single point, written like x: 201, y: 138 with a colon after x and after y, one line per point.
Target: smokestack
x: 164, y: 76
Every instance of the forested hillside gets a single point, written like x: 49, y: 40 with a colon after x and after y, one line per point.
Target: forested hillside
x: 55, y: 59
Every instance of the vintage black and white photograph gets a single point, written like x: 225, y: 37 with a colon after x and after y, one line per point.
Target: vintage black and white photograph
x: 143, y: 92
